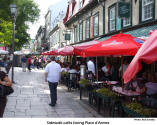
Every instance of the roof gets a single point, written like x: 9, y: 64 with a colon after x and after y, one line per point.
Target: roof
x: 75, y: 6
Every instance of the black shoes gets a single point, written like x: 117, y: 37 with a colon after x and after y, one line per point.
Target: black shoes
x: 52, y: 105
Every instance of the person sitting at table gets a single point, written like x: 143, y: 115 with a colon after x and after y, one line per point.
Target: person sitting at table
x: 125, y: 66
x: 63, y: 69
x: 135, y: 85
x: 73, y: 76
x: 151, y: 85
x: 72, y: 69
x: 107, y: 72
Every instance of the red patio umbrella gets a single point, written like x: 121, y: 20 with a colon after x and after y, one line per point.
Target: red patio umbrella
x: 66, y: 51
x: 78, y: 49
x: 52, y: 52
x: 44, y: 53
x: 120, y: 44
x: 147, y: 53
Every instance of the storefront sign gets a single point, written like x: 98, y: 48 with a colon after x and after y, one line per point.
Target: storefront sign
x: 2, y: 48
x: 123, y: 9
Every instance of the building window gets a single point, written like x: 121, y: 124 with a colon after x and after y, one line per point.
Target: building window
x: 126, y: 22
x: 81, y: 31
x: 70, y: 10
x: 80, y: 3
x: 87, y: 28
x: 96, y: 25
x: 75, y: 34
x: 112, y: 18
x: 147, y: 9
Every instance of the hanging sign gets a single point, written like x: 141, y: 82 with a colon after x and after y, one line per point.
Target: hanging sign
x: 124, y: 9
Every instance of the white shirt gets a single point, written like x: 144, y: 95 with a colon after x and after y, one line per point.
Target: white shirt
x: 53, y: 69
x: 104, y: 69
x: 91, y: 66
x: 72, y: 71
x: 63, y: 70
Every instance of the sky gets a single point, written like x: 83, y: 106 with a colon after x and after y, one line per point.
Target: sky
x: 43, y: 6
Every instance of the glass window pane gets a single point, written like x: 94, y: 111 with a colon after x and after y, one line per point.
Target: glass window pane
x: 112, y: 18
x: 147, y: 9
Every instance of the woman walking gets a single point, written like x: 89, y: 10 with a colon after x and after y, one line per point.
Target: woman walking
x: 4, y: 80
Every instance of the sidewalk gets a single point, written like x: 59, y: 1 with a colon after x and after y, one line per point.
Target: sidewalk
x: 31, y: 98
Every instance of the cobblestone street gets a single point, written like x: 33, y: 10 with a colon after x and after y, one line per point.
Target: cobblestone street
x: 31, y: 98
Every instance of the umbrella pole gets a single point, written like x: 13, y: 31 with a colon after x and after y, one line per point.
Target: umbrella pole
x: 96, y: 69
x: 122, y: 72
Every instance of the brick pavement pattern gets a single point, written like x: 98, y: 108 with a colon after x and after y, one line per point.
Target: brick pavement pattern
x: 31, y: 98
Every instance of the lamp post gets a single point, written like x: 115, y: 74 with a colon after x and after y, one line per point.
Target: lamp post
x: 13, y: 10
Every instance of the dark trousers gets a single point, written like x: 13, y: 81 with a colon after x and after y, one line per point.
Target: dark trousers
x: 29, y: 67
x: 3, y: 102
x: 53, y: 92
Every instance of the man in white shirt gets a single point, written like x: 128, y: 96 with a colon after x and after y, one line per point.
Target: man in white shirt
x: 52, y: 75
x: 91, y: 66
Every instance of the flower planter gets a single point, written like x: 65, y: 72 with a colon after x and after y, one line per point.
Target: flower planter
x: 130, y: 112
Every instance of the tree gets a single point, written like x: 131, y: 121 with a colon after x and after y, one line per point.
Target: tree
x: 6, y: 32
x: 27, y: 12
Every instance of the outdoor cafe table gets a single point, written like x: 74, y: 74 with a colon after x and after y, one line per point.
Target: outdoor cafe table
x: 121, y: 91
x: 129, y: 94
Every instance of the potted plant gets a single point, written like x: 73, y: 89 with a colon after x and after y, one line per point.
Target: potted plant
x: 107, y: 93
x: 84, y: 82
x: 135, y: 109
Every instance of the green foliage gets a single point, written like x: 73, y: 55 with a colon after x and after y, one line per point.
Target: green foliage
x: 5, y: 32
x: 138, y: 108
x: 63, y: 73
x: 107, y: 92
x: 28, y: 12
x: 84, y: 82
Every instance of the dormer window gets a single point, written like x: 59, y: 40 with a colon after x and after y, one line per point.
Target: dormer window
x: 80, y: 3
x: 70, y: 9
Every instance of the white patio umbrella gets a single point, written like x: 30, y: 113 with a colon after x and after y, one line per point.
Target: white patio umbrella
x: 18, y: 53
x: 3, y: 52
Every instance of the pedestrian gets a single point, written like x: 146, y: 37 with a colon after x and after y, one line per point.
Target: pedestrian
x: 52, y: 75
x: 29, y: 64
x: 4, y: 80
x: 8, y: 65
x: 24, y: 61
x: 35, y: 62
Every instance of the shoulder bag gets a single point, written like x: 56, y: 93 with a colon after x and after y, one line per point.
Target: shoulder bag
x: 5, y: 90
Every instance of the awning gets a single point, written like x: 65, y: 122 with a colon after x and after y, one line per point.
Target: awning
x: 140, y: 32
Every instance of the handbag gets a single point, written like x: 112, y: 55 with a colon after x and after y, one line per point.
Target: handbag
x: 5, y: 90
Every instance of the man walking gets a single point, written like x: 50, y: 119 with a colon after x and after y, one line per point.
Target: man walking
x: 52, y: 75
x: 24, y: 61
